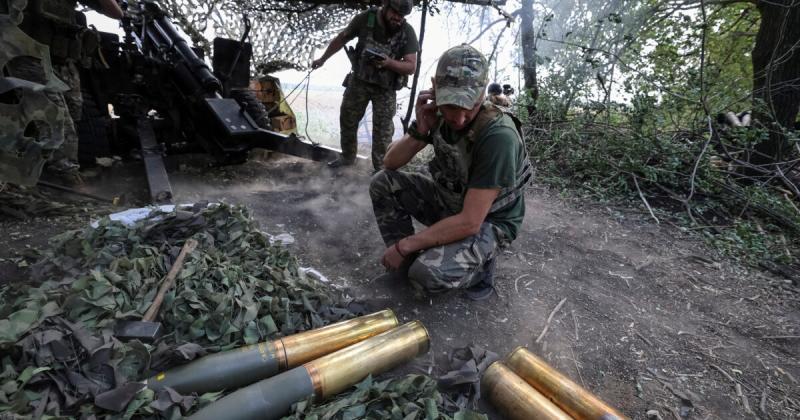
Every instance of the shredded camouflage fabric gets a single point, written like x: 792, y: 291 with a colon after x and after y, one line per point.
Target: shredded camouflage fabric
x: 285, y: 33
x: 58, y: 354
x: 412, y: 397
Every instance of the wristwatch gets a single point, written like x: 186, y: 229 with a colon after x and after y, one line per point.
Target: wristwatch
x: 414, y: 133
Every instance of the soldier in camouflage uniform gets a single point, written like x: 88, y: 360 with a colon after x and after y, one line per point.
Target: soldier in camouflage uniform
x: 473, y: 202
x: 384, y: 57
x: 497, y: 97
x: 57, y: 24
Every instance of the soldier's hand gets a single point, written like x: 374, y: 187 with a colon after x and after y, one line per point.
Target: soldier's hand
x: 317, y: 63
x: 392, y: 259
x: 426, y: 111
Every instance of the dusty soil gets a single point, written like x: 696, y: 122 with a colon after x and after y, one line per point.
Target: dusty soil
x: 652, y: 320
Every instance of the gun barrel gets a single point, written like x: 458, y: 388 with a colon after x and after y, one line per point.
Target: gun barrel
x: 193, y: 76
x: 239, y: 367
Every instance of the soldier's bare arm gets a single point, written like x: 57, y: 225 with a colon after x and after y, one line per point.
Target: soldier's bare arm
x: 406, y: 65
x: 402, y: 151
x: 110, y: 8
x: 477, y: 203
x: 336, y: 44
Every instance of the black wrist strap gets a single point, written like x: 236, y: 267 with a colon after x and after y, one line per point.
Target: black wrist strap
x: 414, y: 133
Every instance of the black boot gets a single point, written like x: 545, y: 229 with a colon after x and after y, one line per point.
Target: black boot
x: 485, y: 287
x: 340, y: 162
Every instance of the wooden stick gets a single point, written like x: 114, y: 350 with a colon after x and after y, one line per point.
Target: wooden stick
x: 644, y: 200
x: 550, y: 319
x: 738, y: 387
x: 169, y: 280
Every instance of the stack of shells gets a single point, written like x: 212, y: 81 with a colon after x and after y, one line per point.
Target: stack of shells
x: 271, y: 376
x: 525, y: 387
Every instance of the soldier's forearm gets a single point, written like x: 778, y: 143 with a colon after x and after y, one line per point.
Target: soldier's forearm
x: 445, y: 231
x: 401, y: 67
x: 454, y: 228
x: 401, y: 152
x: 111, y: 9
x: 334, y: 47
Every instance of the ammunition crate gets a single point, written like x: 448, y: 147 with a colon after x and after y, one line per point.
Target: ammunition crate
x: 283, y: 123
x: 265, y: 90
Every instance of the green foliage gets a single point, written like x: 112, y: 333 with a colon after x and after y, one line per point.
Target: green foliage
x: 412, y: 397
x: 753, y: 222
x: 625, y: 104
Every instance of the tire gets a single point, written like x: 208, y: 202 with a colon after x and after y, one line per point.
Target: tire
x: 253, y: 106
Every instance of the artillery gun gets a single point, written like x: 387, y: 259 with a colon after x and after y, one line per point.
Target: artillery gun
x: 165, y: 100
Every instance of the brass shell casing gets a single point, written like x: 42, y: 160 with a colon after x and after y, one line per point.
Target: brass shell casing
x: 571, y: 397
x: 338, y: 371
x: 313, y: 344
x: 515, y: 398
x: 239, y: 367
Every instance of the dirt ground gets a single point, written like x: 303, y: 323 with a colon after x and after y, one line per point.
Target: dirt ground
x: 644, y: 315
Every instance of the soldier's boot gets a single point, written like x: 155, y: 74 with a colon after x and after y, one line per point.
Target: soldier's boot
x: 341, y: 162
x: 485, y: 287
x: 65, y: 171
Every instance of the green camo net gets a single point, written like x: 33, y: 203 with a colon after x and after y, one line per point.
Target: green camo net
x: 285, y: 34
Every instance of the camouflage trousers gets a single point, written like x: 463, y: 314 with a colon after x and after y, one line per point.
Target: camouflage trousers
x: 399, y: 197
x: 29, y: 68
x: 354, y: 104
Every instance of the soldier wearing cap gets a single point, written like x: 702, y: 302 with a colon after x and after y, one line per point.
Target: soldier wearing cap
x: 473, y: 202
x: 497, y: 97
x: 384, y: 57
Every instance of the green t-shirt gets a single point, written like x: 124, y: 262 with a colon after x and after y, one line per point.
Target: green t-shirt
x: 497, y: 156
x: 358, y: 28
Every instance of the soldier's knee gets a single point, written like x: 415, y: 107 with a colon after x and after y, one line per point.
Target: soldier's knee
x: 379, y: 184
x: 431, y: 280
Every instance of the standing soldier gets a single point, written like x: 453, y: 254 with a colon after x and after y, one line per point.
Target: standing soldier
x: 58, y: 25
x: 384, y: 57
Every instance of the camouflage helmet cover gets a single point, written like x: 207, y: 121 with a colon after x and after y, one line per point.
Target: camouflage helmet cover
x: 401, y: 6
x: 461, y: 77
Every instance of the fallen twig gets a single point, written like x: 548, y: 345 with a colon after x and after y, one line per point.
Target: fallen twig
x: 644, y: 200
x: 738, y: 387
x: 550, y: 319
x: 75, y: 192
x: 644, y: 339
x: 575, y: 321
x: 516, y: 282
x: 577, y: 367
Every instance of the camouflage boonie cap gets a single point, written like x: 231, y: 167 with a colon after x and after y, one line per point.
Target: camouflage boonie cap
x: 461, y: 77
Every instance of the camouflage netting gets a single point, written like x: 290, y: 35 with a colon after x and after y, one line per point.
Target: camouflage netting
x: 285, y: 34
x: 56, y: 340
x: 59, y: 356
x: 404, y: 398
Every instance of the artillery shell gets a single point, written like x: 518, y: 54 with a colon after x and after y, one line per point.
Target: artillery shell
x: 239, y: 367
x: 273, y: 397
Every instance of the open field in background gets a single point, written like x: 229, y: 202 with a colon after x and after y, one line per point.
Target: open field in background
x: 323, y: 106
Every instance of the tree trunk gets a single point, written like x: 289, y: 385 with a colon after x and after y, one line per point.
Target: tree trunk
x: 528, y: 47
x: 776, y: 72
